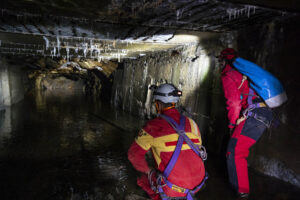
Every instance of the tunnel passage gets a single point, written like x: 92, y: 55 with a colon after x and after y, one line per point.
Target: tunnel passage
x: 59, y: 76
x: 116, y: 49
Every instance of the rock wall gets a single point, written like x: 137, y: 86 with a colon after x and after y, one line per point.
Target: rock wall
x: 11, y: 83
x: 275, y: 46
x: 193, y: 69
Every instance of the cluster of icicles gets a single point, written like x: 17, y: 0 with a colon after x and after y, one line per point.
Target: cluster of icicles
x: 86, y: 48
x: 234, y: 13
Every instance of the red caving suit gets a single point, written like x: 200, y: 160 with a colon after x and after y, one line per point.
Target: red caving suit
x: 246, y: 133
x: 159, y: 137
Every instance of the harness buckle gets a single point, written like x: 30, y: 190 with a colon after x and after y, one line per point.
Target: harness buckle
x: 178, y: 189
x: 150, y: 176
x: 202, y: 152
x: 159, y: 180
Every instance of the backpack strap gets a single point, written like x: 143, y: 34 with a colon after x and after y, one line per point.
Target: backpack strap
x: 243, y: 80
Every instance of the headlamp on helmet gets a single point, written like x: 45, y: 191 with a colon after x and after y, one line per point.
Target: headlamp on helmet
x: 166, y: 93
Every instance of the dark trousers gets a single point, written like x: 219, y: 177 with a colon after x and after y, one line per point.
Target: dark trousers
x: 244, y: 136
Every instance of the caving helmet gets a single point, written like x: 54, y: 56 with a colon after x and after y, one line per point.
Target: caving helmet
x: 166, y: 93
x: 228, y: 54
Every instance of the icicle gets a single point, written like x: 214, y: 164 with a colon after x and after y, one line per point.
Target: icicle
x: 76, y: 50
x: 68, y: 53
x: 98, y: 55
x: 234, y: 14
x: 46, y: 42
x: 248, y: 11
x: 248, y: 8
x: 92, y: 47
x: 85, y: 49
x: 58, y: 45
x: 179, y: 13
x: 54, y: 51
x: 229, y: 12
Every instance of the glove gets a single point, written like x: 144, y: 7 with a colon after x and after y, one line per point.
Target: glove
x: 231, y: 125
x: 231, y: 130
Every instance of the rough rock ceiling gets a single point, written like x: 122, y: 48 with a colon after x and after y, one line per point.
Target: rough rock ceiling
x: 122, y: 28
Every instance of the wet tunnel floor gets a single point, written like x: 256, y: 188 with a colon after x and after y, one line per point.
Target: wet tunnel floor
x: 73, y: 147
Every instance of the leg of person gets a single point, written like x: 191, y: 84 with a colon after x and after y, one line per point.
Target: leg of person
x: 245, y: 135
x: 230, y: 157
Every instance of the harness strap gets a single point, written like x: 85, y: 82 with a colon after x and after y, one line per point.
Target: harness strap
x: 181, y: 132
x: 176, y: 188
x: 257, y: 105
x: 178, y: 128
x: 252, y: 105
x: 184, y: 190
x: 260, y: 118
x: 249, y: 99
x: 174, y: 158
x: 162, y: 178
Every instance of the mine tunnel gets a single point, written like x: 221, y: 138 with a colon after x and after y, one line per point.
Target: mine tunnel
x: 74, y: 91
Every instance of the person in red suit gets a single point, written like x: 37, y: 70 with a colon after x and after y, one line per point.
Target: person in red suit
x: 186, y: 173
x: 248, y: 118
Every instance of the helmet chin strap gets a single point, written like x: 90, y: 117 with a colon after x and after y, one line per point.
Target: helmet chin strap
x: 159, y: 107
x: 170, y: 107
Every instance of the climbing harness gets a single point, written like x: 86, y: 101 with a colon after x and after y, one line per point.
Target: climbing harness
x: 248, y: 112
x: 162, y: 179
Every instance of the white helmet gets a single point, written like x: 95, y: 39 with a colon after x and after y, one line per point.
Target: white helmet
x: 166, y: 93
